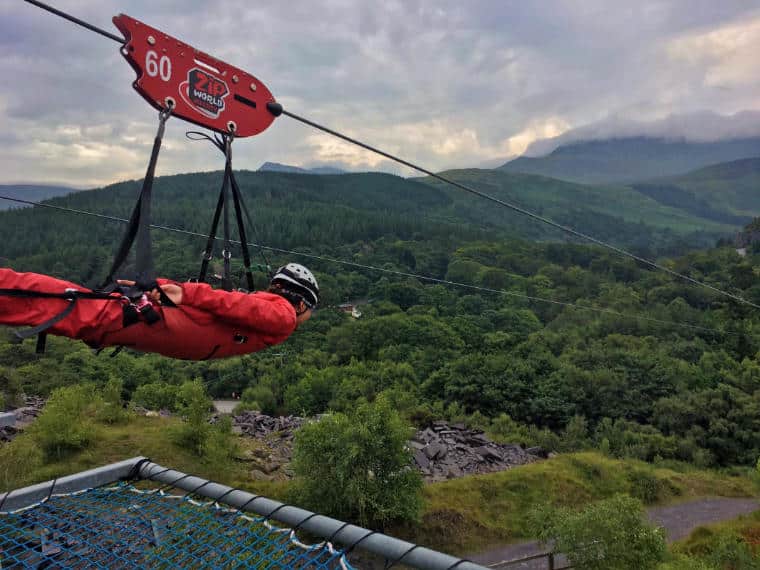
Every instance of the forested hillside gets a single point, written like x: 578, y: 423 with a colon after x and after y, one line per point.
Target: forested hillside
x: 334, y: 211
x: 522, y: 363
x: 728, y: 192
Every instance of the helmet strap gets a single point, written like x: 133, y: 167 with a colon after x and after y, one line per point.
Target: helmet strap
x: 292, y: 297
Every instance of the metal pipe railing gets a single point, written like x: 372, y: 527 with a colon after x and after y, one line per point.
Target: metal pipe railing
x: 392, y: 549
x: 338, y: 532
x: 26, y: 496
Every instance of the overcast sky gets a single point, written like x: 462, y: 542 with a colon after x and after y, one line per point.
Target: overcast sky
x: 444, y: 83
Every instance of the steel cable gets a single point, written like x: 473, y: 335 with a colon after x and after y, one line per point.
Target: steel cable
x: 393, y: 271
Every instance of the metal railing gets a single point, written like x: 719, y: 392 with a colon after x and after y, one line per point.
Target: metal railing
x: 554, y: 561
x: 393, y: 550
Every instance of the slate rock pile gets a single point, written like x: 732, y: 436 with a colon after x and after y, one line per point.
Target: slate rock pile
x: 275, y: 434
x: 441, y: 451
x: 256, y: 424
x: 25, y: 415
x: 445, y: 451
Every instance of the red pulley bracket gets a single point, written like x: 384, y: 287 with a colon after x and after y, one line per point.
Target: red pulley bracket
x: 201, y: 88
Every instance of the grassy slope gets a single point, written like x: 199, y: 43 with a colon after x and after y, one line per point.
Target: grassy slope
x: 462, y: 515
x: 468, y: 514
x: 733, y: 187
x: 706, y: 539
x: 147, y: 437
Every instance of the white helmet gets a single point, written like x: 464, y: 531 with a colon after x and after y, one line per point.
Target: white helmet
x: 306, y: 283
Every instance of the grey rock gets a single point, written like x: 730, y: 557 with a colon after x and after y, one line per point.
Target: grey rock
x: 452, y: 450
x: 537, y: 451
x: 257, y: 475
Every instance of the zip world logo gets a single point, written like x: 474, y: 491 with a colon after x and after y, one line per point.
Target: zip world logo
x: 204, y: 92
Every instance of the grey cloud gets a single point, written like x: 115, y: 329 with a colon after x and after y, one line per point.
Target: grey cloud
x: 694, y: 127
x: 447, y: 84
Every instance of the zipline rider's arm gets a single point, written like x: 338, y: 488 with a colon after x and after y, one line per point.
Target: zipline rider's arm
x: 263, y: 312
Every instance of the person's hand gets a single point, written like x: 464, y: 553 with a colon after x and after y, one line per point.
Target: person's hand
x: 172, y: 291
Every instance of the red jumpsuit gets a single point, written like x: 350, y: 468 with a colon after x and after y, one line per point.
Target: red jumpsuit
x: 207, y: 324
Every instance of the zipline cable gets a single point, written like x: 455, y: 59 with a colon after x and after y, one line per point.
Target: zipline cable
x: 77, y: 21
x: 277, y: 109
x: 393, y: 271
x: 518, y: 209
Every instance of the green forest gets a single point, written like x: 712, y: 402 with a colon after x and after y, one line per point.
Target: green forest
x: 663, y: 370
x: 469, y: 313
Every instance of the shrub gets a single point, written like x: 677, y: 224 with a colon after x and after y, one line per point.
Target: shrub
x: 66, y: 422
x: 731, y: 552
x: 112, y: 409
x: 220, y: 444
x: 607, y: 534
x: 504, y: 428
x: 644, y: 486
x: 156, y: 396
x: 575, y: 435
x: 259, y: 398
x: 193, y: 405
x: 10, y: 388
x: 358, y: 466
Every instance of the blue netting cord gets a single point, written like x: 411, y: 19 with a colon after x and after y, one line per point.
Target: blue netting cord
x: 122, y: 526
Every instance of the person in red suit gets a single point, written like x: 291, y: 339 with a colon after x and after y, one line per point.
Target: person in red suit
x: 189, y: 321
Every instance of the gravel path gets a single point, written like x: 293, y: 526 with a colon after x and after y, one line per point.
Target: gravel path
x: 677, y: 520
x: 225, y: 406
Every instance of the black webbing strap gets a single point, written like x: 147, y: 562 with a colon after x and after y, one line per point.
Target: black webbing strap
x: 227, y: 249
x: 41, y: 343
x: 26, y: 333
x: 237, y: 199
x: 71, y: 295
x: 139, y: 221
x: 224, y: 144
x: 209, y: 251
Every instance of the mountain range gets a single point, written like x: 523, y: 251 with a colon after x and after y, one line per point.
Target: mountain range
x: 293, y: 208
x: 31, y: 192
x: 631, y: 159
x: 277, y: 167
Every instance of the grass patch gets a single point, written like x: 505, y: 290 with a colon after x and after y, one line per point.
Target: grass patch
x: 733, y: 544
x: 468, y: 514
x: 139, y: 436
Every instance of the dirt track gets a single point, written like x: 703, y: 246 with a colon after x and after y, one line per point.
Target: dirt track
x: 677, y: 520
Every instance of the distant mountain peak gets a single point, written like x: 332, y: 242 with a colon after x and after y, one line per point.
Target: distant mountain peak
x: 278, y: 167
x: 623, y: 160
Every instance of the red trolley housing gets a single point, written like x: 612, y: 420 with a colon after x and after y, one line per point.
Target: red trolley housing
x: 196, y: 86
